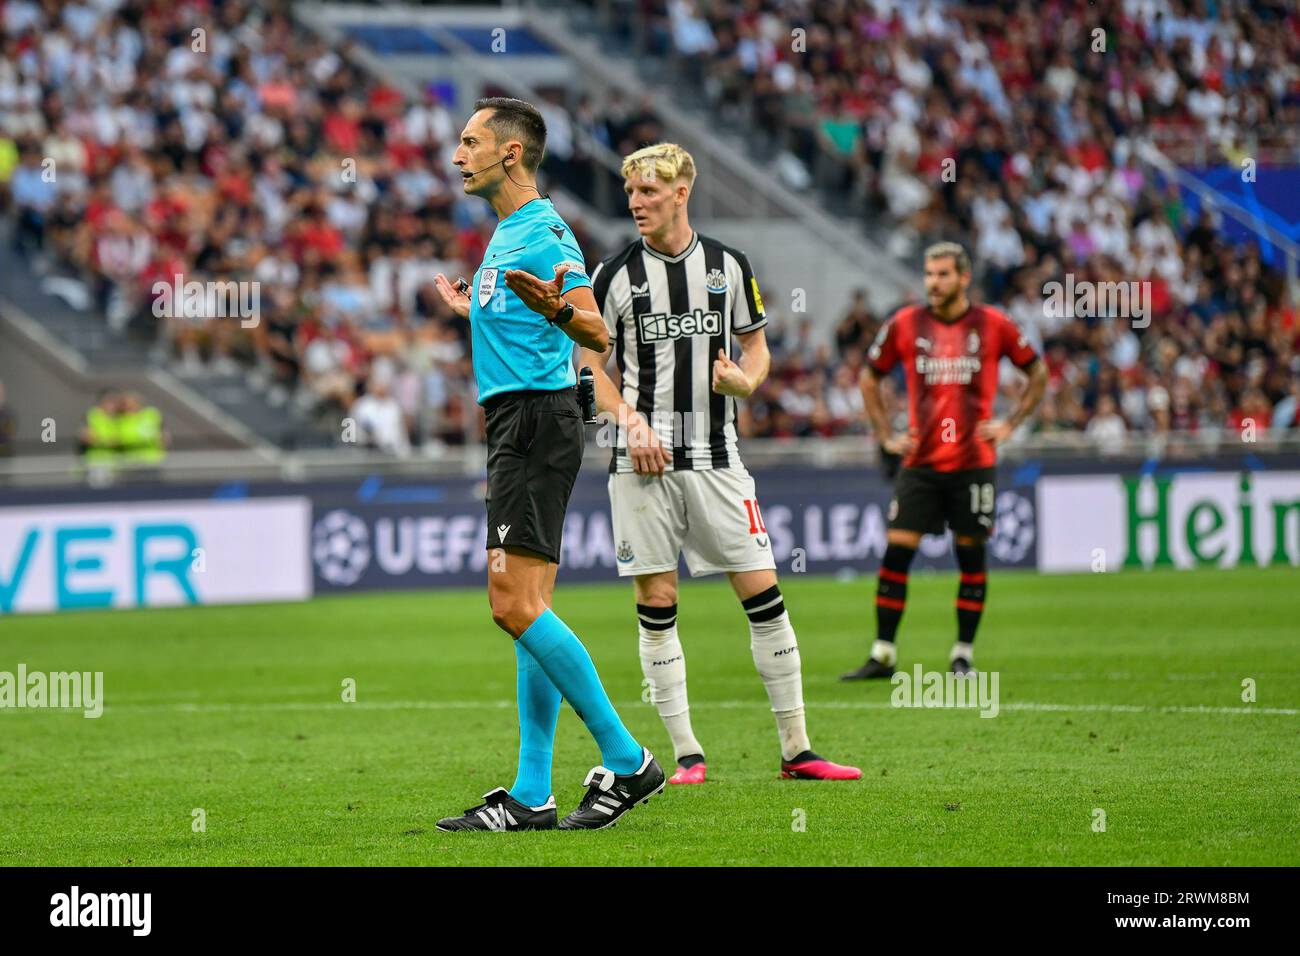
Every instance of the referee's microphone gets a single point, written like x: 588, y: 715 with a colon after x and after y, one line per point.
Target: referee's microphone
x: 486, y: 168
x: 505, y: 170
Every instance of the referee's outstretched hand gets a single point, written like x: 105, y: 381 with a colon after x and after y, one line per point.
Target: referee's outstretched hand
x: 457, y: 299
x: 542, y: 297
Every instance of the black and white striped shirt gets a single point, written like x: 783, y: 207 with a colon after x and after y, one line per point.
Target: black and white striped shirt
x: 668, y: 316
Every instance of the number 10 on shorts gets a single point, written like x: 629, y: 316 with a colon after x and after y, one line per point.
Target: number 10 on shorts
x: 755, y: 517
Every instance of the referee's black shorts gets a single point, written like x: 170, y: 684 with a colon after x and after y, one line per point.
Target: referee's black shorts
x: 535, y: 442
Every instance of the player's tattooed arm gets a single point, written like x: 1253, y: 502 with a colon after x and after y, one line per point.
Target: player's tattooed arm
x: 741, y: 380
x: 897, y: 444
x: 996, y: 431
x: 644, y: 448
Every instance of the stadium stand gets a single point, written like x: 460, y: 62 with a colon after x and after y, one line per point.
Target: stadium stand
x: 226, y: 164
x: 275, y: 156
x: 48, y: 387
x: 1041, y: 135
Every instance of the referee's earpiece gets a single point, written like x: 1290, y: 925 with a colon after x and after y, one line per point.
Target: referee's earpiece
x: 508, y: 160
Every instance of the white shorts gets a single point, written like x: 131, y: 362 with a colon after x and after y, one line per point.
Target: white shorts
x: 712, y: 516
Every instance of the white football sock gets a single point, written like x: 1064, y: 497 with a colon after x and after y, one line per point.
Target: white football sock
x: 776, y: 657
x: 885, y: 652
x: 664, y: 665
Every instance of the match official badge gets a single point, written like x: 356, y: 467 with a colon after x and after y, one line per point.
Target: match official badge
x: 487, y: 284
x: 716, y: 281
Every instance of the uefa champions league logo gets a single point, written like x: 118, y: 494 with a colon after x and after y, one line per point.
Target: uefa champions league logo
x: 1013, y: 532
x: 341, y: 547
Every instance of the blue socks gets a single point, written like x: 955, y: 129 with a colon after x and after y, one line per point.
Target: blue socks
x: 569, y: 667
x: 539, y: 707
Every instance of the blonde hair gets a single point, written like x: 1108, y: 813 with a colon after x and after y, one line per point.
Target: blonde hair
x: 665, y: 162
x: 941, y: 250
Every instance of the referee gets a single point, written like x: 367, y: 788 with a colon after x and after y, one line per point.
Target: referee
x: 529, y: 302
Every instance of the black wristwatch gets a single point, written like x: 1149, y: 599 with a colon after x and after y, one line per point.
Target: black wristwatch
x: 563, y: 316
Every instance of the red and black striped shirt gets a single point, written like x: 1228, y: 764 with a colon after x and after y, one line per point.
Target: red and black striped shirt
x: 952, y: 377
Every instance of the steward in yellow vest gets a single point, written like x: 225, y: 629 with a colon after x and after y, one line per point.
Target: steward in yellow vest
x: 140, y: 432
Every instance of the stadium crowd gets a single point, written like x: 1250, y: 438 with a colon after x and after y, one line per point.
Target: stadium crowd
x: 135, y: 150
x: 1013, y: 128
x: 255, y: 152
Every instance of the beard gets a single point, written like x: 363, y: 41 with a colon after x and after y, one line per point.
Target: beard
x: 945, y: 302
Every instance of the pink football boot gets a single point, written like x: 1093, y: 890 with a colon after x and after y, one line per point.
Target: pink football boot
x: 692, y: 774
x: 809, y: 766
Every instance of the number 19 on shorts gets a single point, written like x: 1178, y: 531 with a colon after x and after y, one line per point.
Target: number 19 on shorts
x: 981, y: 498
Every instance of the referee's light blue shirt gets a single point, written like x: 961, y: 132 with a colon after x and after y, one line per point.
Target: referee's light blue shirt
x: 514, y: 347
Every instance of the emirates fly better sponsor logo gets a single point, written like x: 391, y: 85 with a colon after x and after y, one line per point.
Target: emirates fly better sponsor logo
x: 946, y: 369
x: 659, y: 326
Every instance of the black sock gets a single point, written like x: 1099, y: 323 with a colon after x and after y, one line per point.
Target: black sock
x: 970, y: 593
x: 891, y: 590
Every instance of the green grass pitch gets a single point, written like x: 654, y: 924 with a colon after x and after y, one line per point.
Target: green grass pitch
x: 1120, y: 693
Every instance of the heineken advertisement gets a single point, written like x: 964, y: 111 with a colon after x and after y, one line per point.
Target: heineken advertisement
x: 1168, y: 519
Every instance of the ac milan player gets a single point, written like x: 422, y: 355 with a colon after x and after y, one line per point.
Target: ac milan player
x: 950, y: 351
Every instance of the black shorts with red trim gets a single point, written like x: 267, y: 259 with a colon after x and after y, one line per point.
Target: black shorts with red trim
x: 926, y: 500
